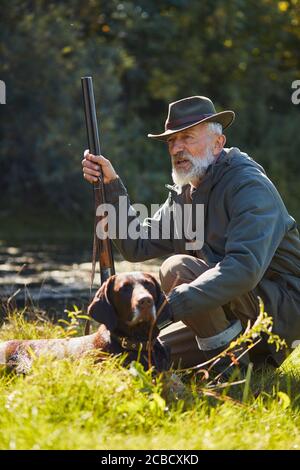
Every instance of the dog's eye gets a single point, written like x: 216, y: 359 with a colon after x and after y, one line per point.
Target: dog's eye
x: 148, y: 285
x: 126, y: 287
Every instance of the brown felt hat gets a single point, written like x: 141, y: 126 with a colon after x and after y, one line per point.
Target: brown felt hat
x: 191, y: 111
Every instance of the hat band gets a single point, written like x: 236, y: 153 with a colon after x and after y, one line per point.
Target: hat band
x: 187, y: 120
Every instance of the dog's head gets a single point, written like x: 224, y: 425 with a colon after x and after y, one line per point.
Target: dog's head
x: 127, y: 303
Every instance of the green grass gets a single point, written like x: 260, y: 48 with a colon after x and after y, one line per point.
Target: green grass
x: 67, y: 404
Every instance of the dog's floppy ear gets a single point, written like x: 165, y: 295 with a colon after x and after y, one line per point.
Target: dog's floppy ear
x: 101, y: 308
x: 160, y: 296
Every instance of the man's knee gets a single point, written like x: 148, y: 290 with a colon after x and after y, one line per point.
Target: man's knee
x: 171, y: 271
x: 180, y: 268
x: 171, y: 267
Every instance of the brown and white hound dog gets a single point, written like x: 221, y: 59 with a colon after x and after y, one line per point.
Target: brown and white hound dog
x: 126, y: 306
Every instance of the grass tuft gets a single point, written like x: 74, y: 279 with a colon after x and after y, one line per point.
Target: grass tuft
x: 77, y: 404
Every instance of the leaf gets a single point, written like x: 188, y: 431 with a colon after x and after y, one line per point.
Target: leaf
x: 284, y: 400
x: 159, y: 401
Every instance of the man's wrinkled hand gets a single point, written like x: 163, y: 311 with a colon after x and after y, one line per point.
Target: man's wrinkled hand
x: 91, y: 165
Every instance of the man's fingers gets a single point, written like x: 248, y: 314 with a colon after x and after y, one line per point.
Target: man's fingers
x: 91, y: 171
x: 97, y: 159
x: 89, y: 178
x: 92, y: 166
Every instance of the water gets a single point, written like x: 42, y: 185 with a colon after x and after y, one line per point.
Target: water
x: 53, y: 277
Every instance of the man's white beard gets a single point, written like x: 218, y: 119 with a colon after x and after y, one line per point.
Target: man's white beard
x: 198, y: 169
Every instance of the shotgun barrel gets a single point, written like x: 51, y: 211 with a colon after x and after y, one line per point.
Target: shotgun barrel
x: 102, y: 247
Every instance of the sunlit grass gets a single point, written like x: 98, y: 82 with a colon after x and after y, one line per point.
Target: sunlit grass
x: 77, y: 404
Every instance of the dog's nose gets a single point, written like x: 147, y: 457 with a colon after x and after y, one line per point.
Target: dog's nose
x: 145, y: 302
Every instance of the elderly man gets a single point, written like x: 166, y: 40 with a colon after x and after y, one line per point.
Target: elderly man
x: 251, y: 244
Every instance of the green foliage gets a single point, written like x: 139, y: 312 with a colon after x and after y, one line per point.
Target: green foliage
x: 244, y: 54
x: 107, y: 406
x: 73, y: 323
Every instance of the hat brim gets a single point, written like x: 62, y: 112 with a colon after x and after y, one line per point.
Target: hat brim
x: 225, y: 118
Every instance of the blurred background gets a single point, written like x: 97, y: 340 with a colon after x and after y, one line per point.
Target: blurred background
x: 142, y: 55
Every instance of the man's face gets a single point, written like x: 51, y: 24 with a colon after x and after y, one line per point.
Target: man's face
x: 192, y: 151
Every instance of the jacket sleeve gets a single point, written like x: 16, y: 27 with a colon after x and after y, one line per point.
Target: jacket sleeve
x: 135, y: 240
x: 255, y: 230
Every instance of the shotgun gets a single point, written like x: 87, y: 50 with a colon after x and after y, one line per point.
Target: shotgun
x: 102, y: 249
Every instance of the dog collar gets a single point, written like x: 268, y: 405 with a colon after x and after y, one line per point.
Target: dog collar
x: 126, y: 343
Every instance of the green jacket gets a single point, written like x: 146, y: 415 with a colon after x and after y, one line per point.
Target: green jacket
x: 250, y: 241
